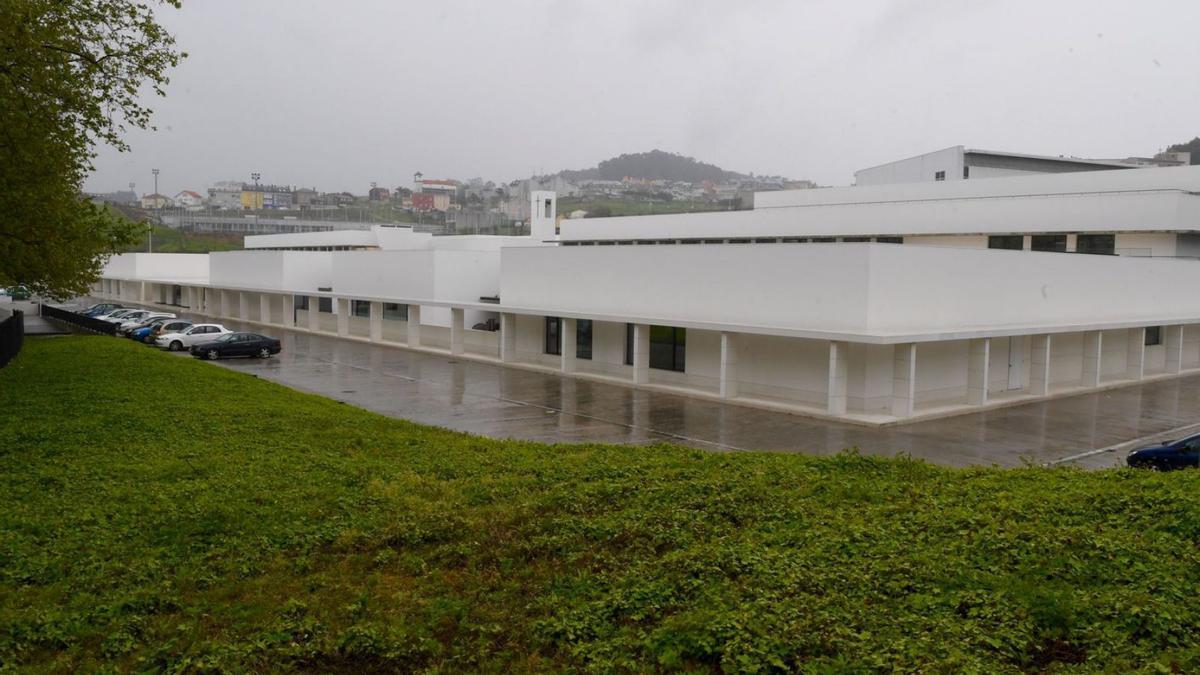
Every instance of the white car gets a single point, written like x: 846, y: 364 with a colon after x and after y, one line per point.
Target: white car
x: 116, y: 314
x: 126, y: 326
x: 201, y: 332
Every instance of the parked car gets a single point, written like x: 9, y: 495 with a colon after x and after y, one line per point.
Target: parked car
x: 133, y: 315
x: 18, y: 293
x: 100, y: 308
x: 201, y: 332
x: 237, y: 344
x: 1181, y: 454
x: 138, y: 322
x: 159, y: 326
x: 115, y: 314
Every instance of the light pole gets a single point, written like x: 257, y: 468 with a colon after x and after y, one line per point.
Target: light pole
x: 158, y: 208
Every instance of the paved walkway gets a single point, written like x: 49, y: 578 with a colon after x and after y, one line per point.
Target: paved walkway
x: 510, y: 403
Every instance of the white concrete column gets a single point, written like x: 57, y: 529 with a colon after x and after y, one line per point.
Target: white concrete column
x: 729, y: 369
x: 457, y: 319
x: 243, y: 305
x: 287, y: 303
x: 1173, y: 341
x: 1135, y: 361
x: 568, y: 328
x: 1072, y: 241
x: 904, y: 379
x: 508, y: 337
x: 264, y: 307
x: 414, y: 325
x: 343, y: 317
x: 376, y: 333
x: 191, y: 298
x: 641, y: 353
x: 1093, y: 348
x: 839, y: 377
x: 1039, y: 365
x: 143, y: 292
x: 314, y: 314
x: 223, y: 298
x: 978, y: 353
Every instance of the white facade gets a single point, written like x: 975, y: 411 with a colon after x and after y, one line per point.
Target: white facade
x: 798, y: 305
x: 960, y: 163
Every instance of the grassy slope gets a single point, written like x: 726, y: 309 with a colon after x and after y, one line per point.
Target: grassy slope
x: 164, y: 513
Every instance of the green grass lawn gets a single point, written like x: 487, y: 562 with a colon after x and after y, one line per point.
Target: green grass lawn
x: 160, y: 513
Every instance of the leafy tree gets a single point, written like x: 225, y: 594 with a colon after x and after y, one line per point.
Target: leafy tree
x: 71, y: 76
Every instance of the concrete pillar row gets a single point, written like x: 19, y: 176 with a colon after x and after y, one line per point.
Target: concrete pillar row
x: 343, y: 316
x: 142, y: 292
x: 314, y: 314
x: 1093, y: 362
x: 641, y: 353
x: 223, y: 297
x: 243, y: 305
x: 457, y: 328
x: 1039, y: 375
x: 414, y: 325
x: 568, y: 333
x: 978, y: 355
x: 1173, y: 341
x: 287, y: 303
x: 376, y: 322
x: 508, y: 337
x: 1135, y: 360
x: 729, y: 365
x: 904, y: 379
x: 839, y: 377
x: 264, y: 308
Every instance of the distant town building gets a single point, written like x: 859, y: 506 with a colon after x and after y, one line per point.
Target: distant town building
x: 127, y: 197
x: 156, y: 201
x: 431, y: 201
x: 189, y: 200
x: 379, y: 194
x: 303, y: 198
x: 225, y: 195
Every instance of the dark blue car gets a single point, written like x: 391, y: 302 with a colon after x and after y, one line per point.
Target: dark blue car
x: 1181, y: 454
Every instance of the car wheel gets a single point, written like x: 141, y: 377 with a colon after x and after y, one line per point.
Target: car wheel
x: 264, y: 353
x: 213, y: 355
x: 176, y: 346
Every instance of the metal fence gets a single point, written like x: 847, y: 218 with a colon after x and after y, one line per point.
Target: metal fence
x: 12, y: 336
x: 85, y: 322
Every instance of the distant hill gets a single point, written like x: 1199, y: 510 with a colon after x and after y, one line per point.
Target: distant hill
x: 655, y: 164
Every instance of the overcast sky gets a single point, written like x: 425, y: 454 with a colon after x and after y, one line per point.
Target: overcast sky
x: 335, y: 95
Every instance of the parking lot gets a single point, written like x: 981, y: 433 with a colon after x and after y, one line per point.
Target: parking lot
x: 1092, y: 430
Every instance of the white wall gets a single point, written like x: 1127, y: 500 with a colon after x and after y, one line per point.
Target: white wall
x: 296, y: 271
x: 912, y: 170
x: 786, y: 285
x: 186, y: 267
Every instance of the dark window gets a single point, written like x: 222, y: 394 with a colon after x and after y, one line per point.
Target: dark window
x: 325, y: 305
x: 794, y: 240
x: 966, y: 172
x: 629, y: 344
x: 1153, y: 336
x: 1096, y: 244
x: 553, y: 335
x: 583, y: 339
x: 823, y: 240
x: 1055, y: 243
x: 890, y: 240
x: 1012, y: 242
x: 668, y: 348
x: 360, y: 308
x: 940, y: 175
x: 395, y: 312
x: 854, y: 240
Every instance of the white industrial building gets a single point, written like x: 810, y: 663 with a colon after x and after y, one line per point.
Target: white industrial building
x: 874, y: 304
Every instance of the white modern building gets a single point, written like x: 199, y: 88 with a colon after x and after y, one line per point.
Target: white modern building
x: 872, y: 304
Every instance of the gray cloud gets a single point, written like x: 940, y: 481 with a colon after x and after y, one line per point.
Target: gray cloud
x: 340, y: 94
